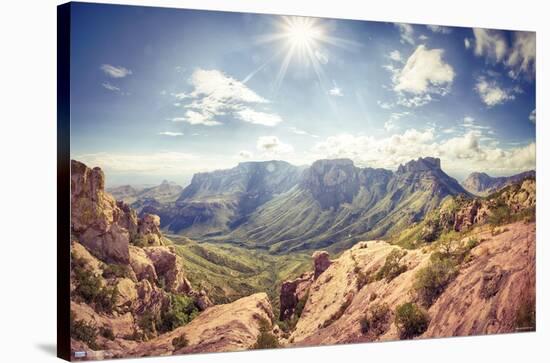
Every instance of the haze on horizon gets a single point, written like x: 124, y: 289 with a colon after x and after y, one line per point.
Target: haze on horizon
x: 162, y: 94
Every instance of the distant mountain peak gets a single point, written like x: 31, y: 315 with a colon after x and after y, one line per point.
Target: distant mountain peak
x: 421, y: 164
x: 481, y: 183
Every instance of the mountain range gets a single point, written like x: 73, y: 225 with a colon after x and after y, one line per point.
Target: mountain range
x: 483, y: 184
x: 282, y: 208
x: 136, y: 196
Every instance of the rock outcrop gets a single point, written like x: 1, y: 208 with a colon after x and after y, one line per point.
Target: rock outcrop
x: 495, y: 283
x: 168, y: 267
x: 321, y: 261
x: 220, y: 328
x: 291, y: 293
x: 103, y: 225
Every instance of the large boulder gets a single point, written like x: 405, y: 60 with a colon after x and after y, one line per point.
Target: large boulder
x: 149, y: 230
x: 168, y: 267
x: 321, y: 261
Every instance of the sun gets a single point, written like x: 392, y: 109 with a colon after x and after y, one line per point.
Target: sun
x: 303, y: 41
x: 301, y: 32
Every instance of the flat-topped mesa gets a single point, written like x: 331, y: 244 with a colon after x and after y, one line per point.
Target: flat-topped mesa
x: 421, y: 164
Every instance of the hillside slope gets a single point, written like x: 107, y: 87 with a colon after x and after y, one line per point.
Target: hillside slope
x: 337, y: 204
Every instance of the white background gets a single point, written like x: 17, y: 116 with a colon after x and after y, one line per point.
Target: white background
x: 28, y: 178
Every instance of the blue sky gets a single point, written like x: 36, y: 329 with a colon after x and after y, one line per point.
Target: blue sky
x: 164, y: 93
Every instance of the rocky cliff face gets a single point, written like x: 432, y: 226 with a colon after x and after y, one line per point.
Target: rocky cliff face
x: 490, y: 290
x: 484, y: 184
x: 218, y: 201
x: 103, y: 225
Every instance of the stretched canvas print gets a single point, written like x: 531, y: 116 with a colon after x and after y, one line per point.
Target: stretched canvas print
x: 235, y: 181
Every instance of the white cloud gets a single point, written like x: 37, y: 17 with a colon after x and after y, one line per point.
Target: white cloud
x: 491, y: 93
x: 460, y: 154
x: 216, y: 94
x: 391, y: 122
x: 533, y: 116
x: 490, y: 43
x: 170, y: 133
x: 110, y: 87
x: 439, y: 29
x: 336, y: 91
x: 197, y: 118
x: 298, y: 131
x: 522, y: 57
x: 425, y: 71
x: 384, y: 105
x: 259, y: 118
x: 414, y: 101
x: 148, y: 162
x: 467, y: 43
x: 271, y: 145
x: 245, y: 154
x: 395, y: 56
x: 406, y: 32
x: 115, y: 72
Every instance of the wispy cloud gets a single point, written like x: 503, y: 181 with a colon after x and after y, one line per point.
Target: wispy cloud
x: 298, y: 131
x: 170, y: 133
x: 439, y: 29
x: 491, y: 93
x: 336, y: 91
x: 110, y: 87
x: 519, y: 56
x: 115, y: 72
x: 533, y: 116
x: 406, y: 33
x: 216, y: 95
x: 273, y: 146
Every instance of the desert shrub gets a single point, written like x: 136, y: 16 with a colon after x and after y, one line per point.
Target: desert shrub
x: 392, y: 266
x: 181, y: 310
x: 116, y: 271
x: 180, y: 342
x: 87, y: 283
x: 266, y: 339
x: 501, y: 214
x: 432, y: 280
x: 376, y: 320
x: 84, y: 332
x: 106, y: 299
x: 411, y: 320
x: 90, y: 288
x: 107, y: 332
x: 148, y: 323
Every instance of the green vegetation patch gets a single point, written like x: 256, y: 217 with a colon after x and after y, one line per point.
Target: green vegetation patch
x: 392, y: 266
x: 266, y: 339
x: 411, y: 320
x: 376, y: 320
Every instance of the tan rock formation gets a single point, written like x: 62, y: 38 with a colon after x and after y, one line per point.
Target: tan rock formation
x: 220, y: 328
x: 169, y: 268
x: 484, y: 298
